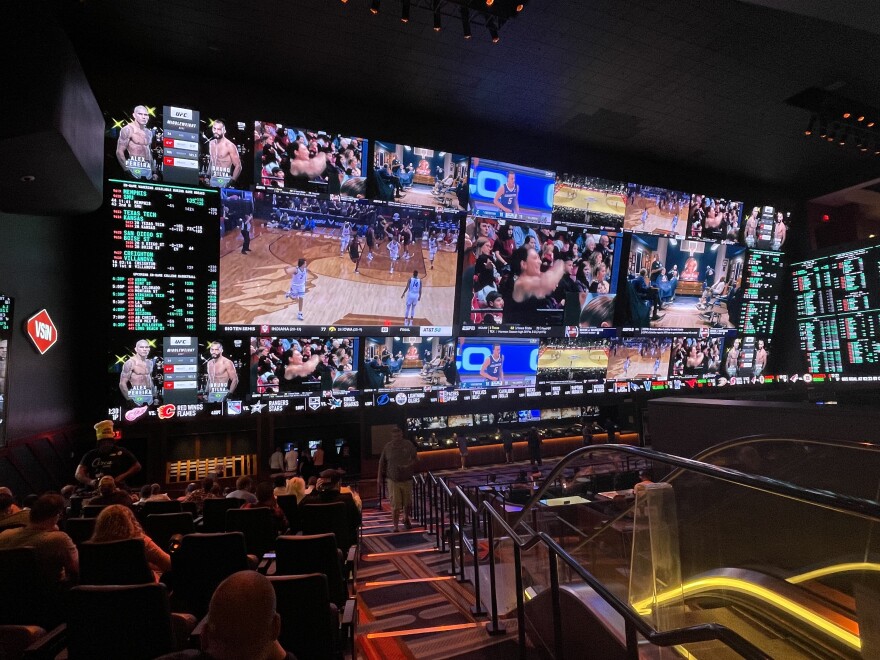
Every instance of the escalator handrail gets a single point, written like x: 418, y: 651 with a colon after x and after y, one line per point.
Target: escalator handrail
x: 688, y: 635
x: 764, y: 437
x: 823, y: 498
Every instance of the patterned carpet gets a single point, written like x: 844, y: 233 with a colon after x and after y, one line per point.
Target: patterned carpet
x: 410, y: 608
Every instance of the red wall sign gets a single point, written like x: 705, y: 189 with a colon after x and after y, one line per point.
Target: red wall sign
x: 42, y: 331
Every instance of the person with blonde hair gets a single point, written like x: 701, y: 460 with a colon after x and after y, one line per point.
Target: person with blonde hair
x: 297, y: 486
x: 117, y: 523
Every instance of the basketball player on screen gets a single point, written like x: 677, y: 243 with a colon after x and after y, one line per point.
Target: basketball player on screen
x: 432, y: 247
x: 507, y: 197
x: 413, y: 293
x: 393, y: 252
x: 344, y: 237
x: 297, y: 290
x: 493, y: 368
x: 225, y: 160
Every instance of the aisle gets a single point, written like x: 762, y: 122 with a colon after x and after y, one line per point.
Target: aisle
x: 408, y: 605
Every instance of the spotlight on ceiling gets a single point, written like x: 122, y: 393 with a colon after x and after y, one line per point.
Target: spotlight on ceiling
x: 404, y: 11
x: 493, y: 32
x: 374, y: 8
x: 810, y: 126
x: 437, y: 24
x: 489, y: 3
x: 466, y: 22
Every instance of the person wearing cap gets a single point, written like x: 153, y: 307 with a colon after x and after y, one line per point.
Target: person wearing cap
x: 106, y: 459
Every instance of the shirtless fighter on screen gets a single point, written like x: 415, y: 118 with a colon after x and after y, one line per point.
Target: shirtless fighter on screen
x: 225, y: 160
x: 222, y: 376
x: 133, y: 146
x: 136, y: 379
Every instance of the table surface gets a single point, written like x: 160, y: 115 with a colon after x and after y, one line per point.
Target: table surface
x: 565, y: 501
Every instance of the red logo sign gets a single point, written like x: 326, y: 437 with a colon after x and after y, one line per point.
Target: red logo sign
x: 42, y: 331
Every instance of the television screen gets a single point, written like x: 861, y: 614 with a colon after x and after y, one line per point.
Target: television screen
x: 697, y: 353
x: 155, y: 376
x: 714, y: 218
x: 637, y: 355
x: 528, y: 415
x: 299, y: 366
x: 313, y: 264
x: 838, y: 311
x: 497, y: 363
x: 460, y: 420
x: 573, y: 360
x: 519, y: 277
x: 760, y: 293
x: 766, y: 228
x: 589, y: 201
x: 393, y: 364
x: 420, y: 176
x: 676, y: 283
x: 652, y: 210
x: 515, y: 192
x: 309, y: 160
x: 5, y: 335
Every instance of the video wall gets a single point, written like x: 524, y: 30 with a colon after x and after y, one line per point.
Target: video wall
x: 5, y: 336
x: 260, y: 266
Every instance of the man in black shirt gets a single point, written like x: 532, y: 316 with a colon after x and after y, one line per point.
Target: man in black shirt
x: 106, y: 459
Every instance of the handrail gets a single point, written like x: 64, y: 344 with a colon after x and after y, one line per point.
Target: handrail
x: 823, y: 498
x: 699, y: 633
x: 764, y: 437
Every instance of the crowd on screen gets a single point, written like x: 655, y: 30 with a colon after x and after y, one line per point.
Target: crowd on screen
x: 694, y: 356
x: 277, y: 147
x: 309, y: 364
x: 716, y: 219
x: 574, y: 264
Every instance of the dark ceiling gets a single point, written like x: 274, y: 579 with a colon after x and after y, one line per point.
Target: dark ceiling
x: 686, y: 82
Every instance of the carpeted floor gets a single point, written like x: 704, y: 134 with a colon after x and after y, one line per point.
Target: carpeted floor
x: 410, y: 608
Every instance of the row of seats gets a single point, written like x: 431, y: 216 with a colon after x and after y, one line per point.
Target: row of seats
x: 116, y: 581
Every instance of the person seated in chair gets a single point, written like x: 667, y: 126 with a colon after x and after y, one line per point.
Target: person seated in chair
x: 329, y: 490
x: 242, y: 622
x: 265, y: 495
x: 110, y: 494
x: 646, y: 292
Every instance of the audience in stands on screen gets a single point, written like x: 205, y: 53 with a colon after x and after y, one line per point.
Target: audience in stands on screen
x: 108, y: 493
x: 241, y: 622
x: 117, y: 523
x: 244, y: 490
x: 266, y: 498
x: 58, y: 557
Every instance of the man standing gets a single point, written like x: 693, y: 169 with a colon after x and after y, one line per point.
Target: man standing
x: 397, y: 464
x: 222, y: 376
x: 133, y: 148
x: 136, y: 379
x: 276, y: 460
x: 107, y: 459
x: 534, y: 439
x: 225, y: 159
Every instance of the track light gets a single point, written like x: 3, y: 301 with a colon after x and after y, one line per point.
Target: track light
x: 374, y: 8
x: 489, y: 3
x: 404, y: 11
x: 847, y: 115
x: 809, y: 130
x: 823, y: 129
x: 493, y: 32
x: 466, y: 22
x: 842, y: 138
x: 437, y: 25
x: 520, y: 7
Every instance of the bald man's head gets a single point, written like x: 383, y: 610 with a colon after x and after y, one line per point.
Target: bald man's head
x: 242, y: 621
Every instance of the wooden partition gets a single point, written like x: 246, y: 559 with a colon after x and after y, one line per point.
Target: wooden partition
x: 189, y: 470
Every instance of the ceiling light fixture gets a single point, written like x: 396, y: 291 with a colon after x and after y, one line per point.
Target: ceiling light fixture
x: 404, y: 11
x: 437, y: 25
x: 809, y: 130
x: 466, y: 22
x: 374, y: 8
x: 493, y: 32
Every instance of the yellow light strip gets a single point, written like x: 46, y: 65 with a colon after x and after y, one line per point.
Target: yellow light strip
x: 832, y: 570
x: 423, y: 631
x: 800, y: 612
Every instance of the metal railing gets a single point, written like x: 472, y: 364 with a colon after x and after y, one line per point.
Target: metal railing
x: 448, y: 512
